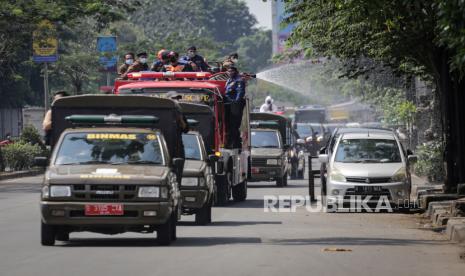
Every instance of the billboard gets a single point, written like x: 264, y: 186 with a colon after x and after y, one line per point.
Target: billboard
x: 106, y: 46
x: 45, y: 42
x: 280, y: 34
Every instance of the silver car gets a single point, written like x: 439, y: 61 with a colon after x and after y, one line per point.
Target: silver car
x: 367, y: 168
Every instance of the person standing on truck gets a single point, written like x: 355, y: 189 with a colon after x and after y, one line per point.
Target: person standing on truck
x: 47, y: 122
x: 230, y: 61
x: 163, y: 60
x: 128, y: 61
x: 196, y: 61
x: 181, y: 121
x: 139, y: 65
x: 176, y: 66
x: 235, y: 101
x: 268, y: 106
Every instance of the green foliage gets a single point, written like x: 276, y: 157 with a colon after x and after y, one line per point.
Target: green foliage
x: 30, y: 135
x: 254, y: 51
x: 20, y: 155
x: 430, y: 161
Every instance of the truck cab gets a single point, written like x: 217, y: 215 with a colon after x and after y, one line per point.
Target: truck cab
x: 271, y: 148
x: 204, y: 88
x: 113, y: 168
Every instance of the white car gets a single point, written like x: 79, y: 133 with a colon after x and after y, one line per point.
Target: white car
x: 367, y: 167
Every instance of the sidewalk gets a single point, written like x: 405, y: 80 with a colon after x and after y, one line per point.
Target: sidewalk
x: 17, y: 174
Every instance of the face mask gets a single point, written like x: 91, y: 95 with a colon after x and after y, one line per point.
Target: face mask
x: 129, y: 61
x: 191, y: 54
x: 143, y: 60
x: 235, y: 60
x: 268, y: 102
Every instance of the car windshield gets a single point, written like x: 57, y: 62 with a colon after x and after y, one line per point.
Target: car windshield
x: 110, y: 148
x: 192, y: 148
x: 265, y: 139
x: 304, y: 130
x: 368, y: 151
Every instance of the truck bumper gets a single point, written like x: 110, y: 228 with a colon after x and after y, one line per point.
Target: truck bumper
x: 194, y: 199
x: 73, y: 213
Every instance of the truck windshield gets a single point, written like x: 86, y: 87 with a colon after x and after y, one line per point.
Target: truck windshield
x: 192, y: 148
x: 110, y: 148
x: 304, y: 130
x: 265, y: 139
x: 368, y: 151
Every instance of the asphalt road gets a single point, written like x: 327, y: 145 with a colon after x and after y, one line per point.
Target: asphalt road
x: 242, y: 240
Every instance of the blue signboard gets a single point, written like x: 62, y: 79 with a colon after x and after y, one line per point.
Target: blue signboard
x: 106, y: 46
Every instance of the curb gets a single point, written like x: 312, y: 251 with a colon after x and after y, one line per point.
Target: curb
x: 20, y: 174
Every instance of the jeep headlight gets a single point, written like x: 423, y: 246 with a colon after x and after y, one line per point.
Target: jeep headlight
x: 400, y: 175
x: 336, y: 175
x: 190, y: 181
x: 319, y: 138
x: 60, y: 191
x: 309, y: 139
x: 272, y: 162
x: 149, y: 191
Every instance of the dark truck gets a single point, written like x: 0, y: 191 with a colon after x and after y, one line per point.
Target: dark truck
x: 271, y: 139
x: 198, y: 187
x: 115, y: 167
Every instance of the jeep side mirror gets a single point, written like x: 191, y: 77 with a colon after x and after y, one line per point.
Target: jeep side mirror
x: 41, y: 161
x: 323, y: 158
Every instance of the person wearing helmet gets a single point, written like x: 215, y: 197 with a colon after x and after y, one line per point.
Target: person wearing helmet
x: 235, y: 102
x: 163, y: 59
x: 176, y: 66
x: 196, y: 61
x: 268, y: 106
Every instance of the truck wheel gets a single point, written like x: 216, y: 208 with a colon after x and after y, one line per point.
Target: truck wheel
x: 203, y: 216
x: 222, y: 190
x: 165, y: 232
x: 240, y: 191
x: 285, y: 180
x: 47, y: 234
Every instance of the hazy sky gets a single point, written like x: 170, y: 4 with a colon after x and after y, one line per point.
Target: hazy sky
x: 262, y: 11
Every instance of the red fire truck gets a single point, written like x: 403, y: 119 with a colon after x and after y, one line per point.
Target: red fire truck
x: 233, y: 166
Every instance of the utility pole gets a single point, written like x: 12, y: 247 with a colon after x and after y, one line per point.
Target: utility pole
x: 46, y: 89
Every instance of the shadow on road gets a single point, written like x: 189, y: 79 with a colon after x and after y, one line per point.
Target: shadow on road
x: 344, y: 241
x: 249, y: 203
x: 148, y: 242
x: 230, y: 223
x: 274, y: 186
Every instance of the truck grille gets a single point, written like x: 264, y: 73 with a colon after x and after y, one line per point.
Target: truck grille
x: 368, y: 180
x: 259, y: 162
x: 104, y: 192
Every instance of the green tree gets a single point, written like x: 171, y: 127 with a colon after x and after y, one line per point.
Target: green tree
x: 254, y: 51
x: 420, y: 36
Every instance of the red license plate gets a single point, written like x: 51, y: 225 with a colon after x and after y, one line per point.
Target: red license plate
x: 104, y: 210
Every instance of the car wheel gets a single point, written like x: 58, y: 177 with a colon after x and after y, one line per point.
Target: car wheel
x: 240, y: 191
x: 279, y: 181
x: 285, y: 180
x: 203, y: 215
x: 62, y: 235
x: 165, y: 232
x: 47, y: 234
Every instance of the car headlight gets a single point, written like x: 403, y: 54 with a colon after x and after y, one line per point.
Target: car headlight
x: 400, y: 175
x: 336, y: 175
x: 60, y: 191
x: 319, y: 138
x: 149, y: 191
x: 309, y: 139
x: 45, y: 192
x: 190, y: 181
x: 272, y: 162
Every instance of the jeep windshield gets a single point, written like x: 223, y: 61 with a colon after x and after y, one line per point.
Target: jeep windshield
x: 265, y: 139
x: 304, y: 130
x: 368, y: 151
x: 192, y: 148
x: 110, y: 148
